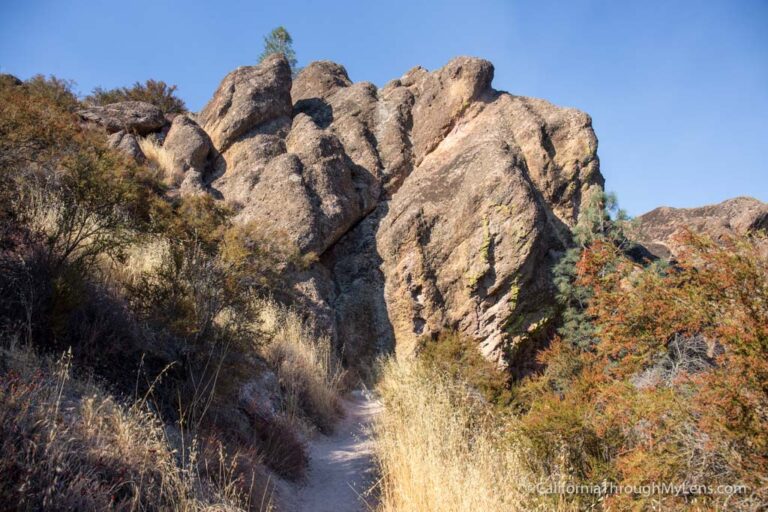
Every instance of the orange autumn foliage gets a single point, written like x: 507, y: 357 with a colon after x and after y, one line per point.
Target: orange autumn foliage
x: 676, y: 387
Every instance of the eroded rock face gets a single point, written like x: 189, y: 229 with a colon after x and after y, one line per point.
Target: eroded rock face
x: 433, y: 203
x: 657, y: 230
x: 188, y: 146
x: 247, y: 97
x: 128, y: 144
x: 136, y: 117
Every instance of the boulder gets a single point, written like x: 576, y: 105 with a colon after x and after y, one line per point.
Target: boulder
x: 136, y: 117
x: 247, y: 98
x: 319, y: 79
x: 658, y: 229
x: 128, y: 144
x: 188, y: 147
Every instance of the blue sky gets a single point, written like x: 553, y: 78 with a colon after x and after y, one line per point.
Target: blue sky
x: 677, y: 89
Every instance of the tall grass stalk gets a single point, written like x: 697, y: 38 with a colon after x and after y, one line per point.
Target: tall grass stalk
x: 309, y: 372
x: 440, y: 448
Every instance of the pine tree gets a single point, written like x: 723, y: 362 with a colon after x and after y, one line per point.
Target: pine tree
x: 595, y: 224
x: 280, y: 41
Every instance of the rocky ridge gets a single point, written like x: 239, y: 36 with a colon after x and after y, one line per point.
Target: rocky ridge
x: 657, y: 230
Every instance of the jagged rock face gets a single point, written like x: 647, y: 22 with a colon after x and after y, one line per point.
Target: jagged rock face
x: 131, y: 116
x: 434, y: 202
x: 247, y: 97
x: 657, y: 229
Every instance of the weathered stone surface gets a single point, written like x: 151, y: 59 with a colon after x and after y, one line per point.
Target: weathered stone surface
x: 319, y: 80
x: 282, y: 205
x: 188, y: 147
x: 131, y: 116
x: 443, y: 96
x: 237, y: 171
x: 329, y: 176
x: 328, y: 190
x: 434, y: 203
x: 304, y: 188
x: 362, y: 326
x: 657, y: 229
x: 468, y: 237
x: 128, y: 144
x: 247, y: 97
x: 192, y: 184
x: 481, y: 202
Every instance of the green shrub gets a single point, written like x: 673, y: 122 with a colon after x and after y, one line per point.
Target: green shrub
x: 155, y: 92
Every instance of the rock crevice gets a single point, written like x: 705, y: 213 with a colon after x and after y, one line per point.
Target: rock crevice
x: 435, y: 202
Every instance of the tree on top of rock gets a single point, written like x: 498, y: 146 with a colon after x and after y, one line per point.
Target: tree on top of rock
x: 279, y: 41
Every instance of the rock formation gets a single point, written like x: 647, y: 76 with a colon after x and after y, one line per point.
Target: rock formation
x: 657, y: 229
x: 432, y: 203
x: 130, y: 116
x: 246, y: 98
x: 127, y: 143
x: 188, y: 147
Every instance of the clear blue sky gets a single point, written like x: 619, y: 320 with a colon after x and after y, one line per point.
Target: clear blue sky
x: 677, y: 89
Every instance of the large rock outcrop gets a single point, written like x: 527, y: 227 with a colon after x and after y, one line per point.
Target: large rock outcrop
x: 658, y: 229
x: 433, y: 203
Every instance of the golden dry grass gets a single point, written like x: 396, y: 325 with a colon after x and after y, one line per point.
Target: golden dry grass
x: 68, y: 445
x: 310, y: 375
x: 143, y: 259
x: 440, y: 448
x: 160, y: 159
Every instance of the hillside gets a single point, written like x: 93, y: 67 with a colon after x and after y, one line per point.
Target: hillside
x: 188, y: 300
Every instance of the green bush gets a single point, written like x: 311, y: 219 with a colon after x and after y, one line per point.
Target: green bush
x: 155, y: 92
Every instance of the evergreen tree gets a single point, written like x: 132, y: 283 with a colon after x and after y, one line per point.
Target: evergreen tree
x: 596, y: 223
x: 280, y: 41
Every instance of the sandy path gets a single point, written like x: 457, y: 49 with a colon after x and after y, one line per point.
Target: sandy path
x: 341, y: 467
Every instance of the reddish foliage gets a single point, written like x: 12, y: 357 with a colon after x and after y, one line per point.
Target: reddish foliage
x: 639, y: 407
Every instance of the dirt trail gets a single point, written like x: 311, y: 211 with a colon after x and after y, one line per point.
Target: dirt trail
x: 341, y: 467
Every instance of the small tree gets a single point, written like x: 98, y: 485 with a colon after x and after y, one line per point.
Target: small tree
x: 600, y: 220
x: 279, y: 41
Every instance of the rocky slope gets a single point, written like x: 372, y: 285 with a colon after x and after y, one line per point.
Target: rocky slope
x: 657, y: 229
x: 434, y: 202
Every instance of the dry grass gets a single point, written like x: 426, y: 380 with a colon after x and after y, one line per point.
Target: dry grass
x: 310, y: 375
x: 441, y: 449
x: 142, y: 259
x: 161, y: 160
x: 67, y: 445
